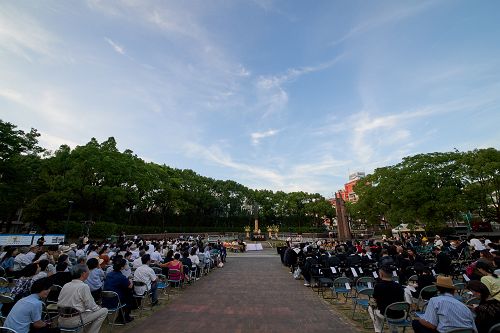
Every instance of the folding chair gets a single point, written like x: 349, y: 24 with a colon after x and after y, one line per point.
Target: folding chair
x: 340, y: 286
x: 157, y: 270
x: 68, y: 312
x: 4, y: 329
x: 162, y: 284
x: 110, y: 297
x: 401, y: 321
x: 174, y: 278
x: 431, y: 289
x: 363, y: 302
x: 495, y: 328
x: 461, y: 330
x: 139, y: 298
x: 4, y: 286
x: 459, y: 288
x: 5, y: 299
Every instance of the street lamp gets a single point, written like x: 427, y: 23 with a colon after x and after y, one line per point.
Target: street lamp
x: 67, y: 220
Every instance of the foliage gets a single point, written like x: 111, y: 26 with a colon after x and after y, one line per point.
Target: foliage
x: 98, y: 182
x: 431, y: 189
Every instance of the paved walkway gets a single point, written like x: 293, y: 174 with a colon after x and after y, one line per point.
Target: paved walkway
x: 252, y: 293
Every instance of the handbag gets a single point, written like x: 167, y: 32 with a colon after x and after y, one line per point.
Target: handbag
x: 296, y: 273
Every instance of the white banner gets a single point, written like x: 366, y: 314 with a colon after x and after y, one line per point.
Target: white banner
x: 26, y: 240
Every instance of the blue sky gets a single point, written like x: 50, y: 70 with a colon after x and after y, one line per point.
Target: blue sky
x: 282, y: 95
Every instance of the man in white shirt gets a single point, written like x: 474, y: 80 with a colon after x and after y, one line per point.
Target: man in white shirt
x: 76, y: 294
x: 145, y: 274
x: 138, y: 261
x: 476, y: 243
x: 156, y: 257
x: 135, y: 252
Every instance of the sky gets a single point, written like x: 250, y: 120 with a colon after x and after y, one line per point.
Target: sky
x: 280, y: 95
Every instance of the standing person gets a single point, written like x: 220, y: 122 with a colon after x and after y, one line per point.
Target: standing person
x: 488, y: 311
x: 444, y: 312
x: 28, y: 311
x: 385, y: 293
x: 477, y: 244
x: 76, y: 294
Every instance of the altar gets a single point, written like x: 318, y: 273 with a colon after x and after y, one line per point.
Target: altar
x: 254, y: 247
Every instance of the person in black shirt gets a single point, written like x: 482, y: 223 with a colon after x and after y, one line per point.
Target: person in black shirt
x: 443, y: 262
x: 385, y: 293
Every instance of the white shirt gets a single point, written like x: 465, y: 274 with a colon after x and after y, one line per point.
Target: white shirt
x: 195, y: 260
x: 80, y: 253
x: 156, y: 256
x: 144, y: 274
x: 478, y: 246
x: 136, y: 263
x: 151, y: 249
x: 76, y: 294
x: 135, y: 254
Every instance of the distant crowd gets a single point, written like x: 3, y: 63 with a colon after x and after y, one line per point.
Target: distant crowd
x: 446, y: 284
x: 45, y: 288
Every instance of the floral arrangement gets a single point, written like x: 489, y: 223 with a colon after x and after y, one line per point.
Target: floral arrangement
x: 247, y: 228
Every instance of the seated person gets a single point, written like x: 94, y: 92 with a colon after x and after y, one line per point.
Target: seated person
x: 488, y: 311
x: 117, y: 282
x: 96, y: 278
x: 26, y: 315
x: 444, y: 312
x: 145, y: 274
x: 424, y: 279
x: 62, y: 275
x: 385, y: 293
x: 76, y: 294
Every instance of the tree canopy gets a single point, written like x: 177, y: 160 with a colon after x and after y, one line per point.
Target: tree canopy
x: 100, y: 183
x: 432, y: 189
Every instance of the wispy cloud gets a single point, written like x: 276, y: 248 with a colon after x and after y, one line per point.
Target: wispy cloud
x: 271, y: 93
x: 11, y: 95
x: 23, y: 35
x: 257, y: 136
x: 386, y: 16
x: 118, y: 48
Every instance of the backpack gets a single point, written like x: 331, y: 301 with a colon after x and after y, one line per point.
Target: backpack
x: 296, y: 274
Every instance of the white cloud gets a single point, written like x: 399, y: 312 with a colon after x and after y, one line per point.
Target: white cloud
x: 11, y: 95
x: 257, y: 136
x: 388, y: 16
x: 215, y: 155
x: 118, y: 48
x: 271, y: 94
x: 52, y: 142
x: 23, y: 35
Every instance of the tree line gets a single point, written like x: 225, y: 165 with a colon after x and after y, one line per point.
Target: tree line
x: 57, y: 190
x: 431, y: 189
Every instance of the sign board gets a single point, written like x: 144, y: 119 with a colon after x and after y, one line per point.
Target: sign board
x: 55, y: 239
x: 27, y: 240
x: 15, y: 239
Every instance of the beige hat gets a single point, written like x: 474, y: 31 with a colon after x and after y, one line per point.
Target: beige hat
x: 73, y: 245
x: 445, y: 282
x: 65, y: 248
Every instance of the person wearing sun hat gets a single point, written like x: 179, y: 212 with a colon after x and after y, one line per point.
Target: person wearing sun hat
x: 444, y: 312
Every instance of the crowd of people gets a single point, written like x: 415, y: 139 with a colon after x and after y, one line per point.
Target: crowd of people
x: 74, y: 279
x: 446, y: 283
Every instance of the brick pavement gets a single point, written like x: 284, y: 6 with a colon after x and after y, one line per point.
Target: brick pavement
x: 252, y: 293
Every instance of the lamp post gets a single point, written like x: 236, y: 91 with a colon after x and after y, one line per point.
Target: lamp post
x: 67, y: 220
